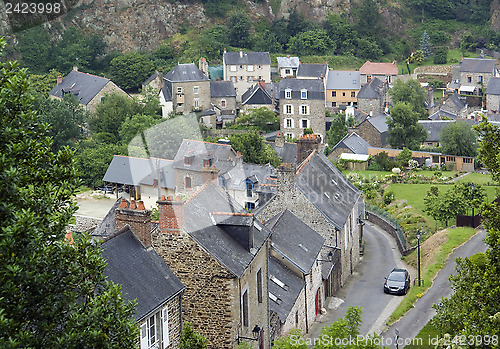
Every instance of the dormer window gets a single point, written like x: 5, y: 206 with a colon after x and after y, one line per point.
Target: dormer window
x: 188, y: 160
x: 303, y: 94
x: 207, y: 162
x: 288, y: 94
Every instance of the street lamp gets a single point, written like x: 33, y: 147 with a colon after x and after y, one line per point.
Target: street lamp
x: 472, y: 201
x: 418, y: 251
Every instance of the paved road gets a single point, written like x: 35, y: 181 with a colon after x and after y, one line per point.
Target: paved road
x: 365, y: 287
x: 417, y: 318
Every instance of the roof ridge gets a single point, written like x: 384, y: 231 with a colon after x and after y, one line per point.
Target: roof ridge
x: 198, y: 191
x: 194, y: 140
x: 97, y: 76
x: 277, y: 219
x: 305, y: 162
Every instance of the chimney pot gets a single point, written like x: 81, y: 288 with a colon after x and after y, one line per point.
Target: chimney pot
x: 133, y: 206
x: 141, y: 206
x: 169, y: 198
x: 162, y: 198
x: 123, y: 203
x: 59, y: 79
x: 178, y: 198
x: 75, y: 68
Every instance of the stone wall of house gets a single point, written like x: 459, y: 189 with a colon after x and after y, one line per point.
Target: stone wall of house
x: 188, y: 96
x: 475, y: 79
x: 493, y: 103
x: 230, y: 103
x: 314, y: 284
x: 316, y: 117
x: 298, y: 312
x: 372, y: 107
x: 110, y: 88
x: 244, y: 79
x: 174, y: 321
x: 334, y: 155
x: 197, y: 180
x: 370, y: 134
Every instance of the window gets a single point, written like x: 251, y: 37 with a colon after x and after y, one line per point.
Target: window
x: 250, y: 79
x: 303, y: 94
x: 343, y: 94
x: 222, y: 181
x: 297, y: 318
x: 288, y: 109
x: 223, y: 103
x: 288, y: 94
x: 196, y: 90
x: 245, y: 309
x: 233, y: 68
x: 467, y: 160
x: 334, y: 93
x: 154, y: 331
x: 241, y: 67
x: 187, y: 181
x: 260, y: 67
x: 288, y: 136
x: 259, y: 282
x: 250, y: 67
x: 249, y: 206
x: 353, y: 94
x: 241, y: 77
x: 304, y: 110
x: 480, y: 78
x: 179, y: 89
x: 188, y: 160
x: 304, y: 123
x: 207, y: 162
x: 469, y: 79
x: 249, y: 186
x: 288, y: 123
x: 334, y: 104
x: 287, y: 71
x: 234, y: 78
x: 196, y: 102
x: 450, y: 158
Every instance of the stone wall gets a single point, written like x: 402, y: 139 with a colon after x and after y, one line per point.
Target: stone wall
x: 230, y: 103
x: 188, y: 96
x: 197, y: 180
x: 372, y: 107
x: 493, y: 103
x: 370, y: 134
x: 316, y: 117
x: 174, y: 321
x: 109, y: 88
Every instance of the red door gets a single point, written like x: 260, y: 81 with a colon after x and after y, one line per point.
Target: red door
x: 317, y: 302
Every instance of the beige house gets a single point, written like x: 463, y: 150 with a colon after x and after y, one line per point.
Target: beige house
x: 342, y: 88
x: 88, y: 89
x: 385, y: 72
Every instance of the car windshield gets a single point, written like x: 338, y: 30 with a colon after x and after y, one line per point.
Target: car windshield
x: 397, y: 277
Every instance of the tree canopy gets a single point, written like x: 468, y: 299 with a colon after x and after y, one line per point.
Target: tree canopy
x: 131, y: 69
x: 52, y: 294
x: 412, y: 93
x: 458, y: 138
x: 260, y: 119
x: 404, y: 129
x: 253, y: 149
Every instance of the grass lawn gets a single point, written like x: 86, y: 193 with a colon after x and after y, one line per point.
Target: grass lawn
x: 430, y: 267
x: 477, y: 178
x: 424, y: 338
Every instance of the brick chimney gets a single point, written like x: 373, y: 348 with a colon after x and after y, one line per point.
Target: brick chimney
x: 137, y: 218
x: 262, y: 84
x: 241, y: 53
x: 171, y: 214
x: 59, y: 79
x: 285, y: 174
x: 306, y: 144
x: 279, y: 141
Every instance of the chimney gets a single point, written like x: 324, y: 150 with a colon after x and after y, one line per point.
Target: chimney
x: 279, y: 141
x: 203, y: 65
x: 138, y: 219
x: 59, y: 79
x: 75, y: 68
x: 171, y: 214
x: 306, y: 144
x: 241, y: 53
x: 262, y: 84
x: 287, y: 56
x: 285, y: 174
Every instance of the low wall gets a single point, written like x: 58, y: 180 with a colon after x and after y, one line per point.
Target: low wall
x: 388, y: 227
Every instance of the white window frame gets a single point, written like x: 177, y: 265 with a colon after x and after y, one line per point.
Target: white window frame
x: 250, y: 67
x: 307, y: 111
x: 289, y: 135
x: 196, y: 90
x: 234, y: 78
x: 288, y: 93
x: 285, y: 107
x: 233, y: 68
x: 165, y: 333
x: 196, y: 102
x: 285, y: 123
x: 308, y: 123
x: 179, y: 89
x: 287, y: 71
x: 250, y: 78
x: 303, y: 94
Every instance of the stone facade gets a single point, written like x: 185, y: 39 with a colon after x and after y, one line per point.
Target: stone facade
x: 493, y: 103
x: 370, y: 134
x: 371, y: 106
x: 197, y: 180
x: 110, y: 88
x: 244, y: 76
x: 334, y: 155
x: 185, y: 99
x: 292, y: 123
x: 224, y: 103
x: 306, y: 144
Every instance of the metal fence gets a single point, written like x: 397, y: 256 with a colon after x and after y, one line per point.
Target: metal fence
x: 386, y: 216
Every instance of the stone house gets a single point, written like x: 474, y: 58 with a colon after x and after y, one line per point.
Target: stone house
x: 197, y: 163
x: 351, y: 144
x: 374, y: 130
x: 433, y: 128
x: 372, y: 97
x: 88, y: 89
x: 302, y: 105
x: 342, y: 88
x: 187, y: 88
x: 493, y: 95
x: 140, y: 176
x: 223, y: 96
x: 256, y: 97
x: 455, y: 104
x: 144, y: 276
x: 155, y: 82
x: 220, y: 253
x: 442, y: 115
x: 245, y: 68
x: 385, y: 72
x: 295, y: 278
x: 287, y: 151
x: 320, y: 196
x: 472, y: 75
x: 287, y: 66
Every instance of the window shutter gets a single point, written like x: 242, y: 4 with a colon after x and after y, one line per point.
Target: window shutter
x: 165, y: 334
x: 144, y: 336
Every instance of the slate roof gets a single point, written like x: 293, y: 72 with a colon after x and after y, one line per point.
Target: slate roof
x: 256, y: 95
x: 166, y: 91
x: 493, y: 87
x: 288, y: 62
x: 185, y: 72
x: 216, y: 239
x: 287, y: 153
x: 354, y: 143
x: 135, y: 171
x: 222, y: 155
x: 151, y: 78
x: 371, y: 90
x: 141, y: 272
x: 327, y: 189
x: 287, y: 296
x: 107, y: 226
x: 458, y: 102
x: 244, y: 58
x: 477, y: 65
x: 433, y: 128
x: 379, y: 122
x: 84, y: 86
x: 315, y: 88
x: 442, y: 115
x: 311, y: 70
x: 263, y: 177
x: 220, y: 89
x: 295, y: 240
x: 374, y: 68
x: 343, y: 80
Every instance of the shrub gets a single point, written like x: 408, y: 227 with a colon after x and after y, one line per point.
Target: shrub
x: 375, y: 166
x: 388, y: 197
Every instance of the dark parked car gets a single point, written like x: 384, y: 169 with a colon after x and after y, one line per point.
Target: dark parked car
x: 398, y: 282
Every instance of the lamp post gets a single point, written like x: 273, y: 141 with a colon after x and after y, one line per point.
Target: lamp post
x: 472, y: 202
x: 256, y: 332
x: 418, y: 252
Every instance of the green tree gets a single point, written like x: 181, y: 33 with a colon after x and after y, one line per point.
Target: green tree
x: 440, y: 55
x: 191, y: 339
x: 43, y: 83
x: 267, y: 42
x: 296, y: 23
x: 425, y: 45
x: 131, y: 69
x: 403, y: 127
x: 239, y: 30
x: 163, y: 52
x: 52, y: 294
x: 137, y: 124
x: 404, y: 156
x: 260, y: 119
x: 368, y: 49
x: 458, y: 138
x: 446, y: 206
x: 213, y: 41
x: 34, y: 44
x: 368, y: 19
x: 341, y: 32
x: 412, y: 93
x: 338, y: 130
x: 253, y: 149
x: 311, y: 42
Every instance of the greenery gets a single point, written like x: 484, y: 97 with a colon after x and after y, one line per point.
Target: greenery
x: 253, y: 149
x: 260, y: 119
x: 338, y: 129
x: 131, y: 69
x: 191, y: 339
x: 404, y: 129
x: 458, y: 138
x: 52, y: 294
